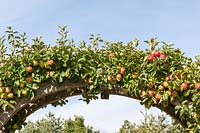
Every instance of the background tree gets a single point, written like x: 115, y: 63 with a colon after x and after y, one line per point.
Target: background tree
x: 51, y: 124
x: 151, y: 124
x: 48, y: 124
x: 77, y: 126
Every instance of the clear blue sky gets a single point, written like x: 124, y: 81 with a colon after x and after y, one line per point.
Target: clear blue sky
x: 176, y: 21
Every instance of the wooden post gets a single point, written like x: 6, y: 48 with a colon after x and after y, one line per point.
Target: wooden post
x: 104, y: 95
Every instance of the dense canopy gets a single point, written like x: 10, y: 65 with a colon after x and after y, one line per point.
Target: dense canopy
x: 159, y: 76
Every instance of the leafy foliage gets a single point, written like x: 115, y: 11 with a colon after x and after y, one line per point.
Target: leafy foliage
x: 151, y: 124
x: 51, y: 124
x: 157, y: 76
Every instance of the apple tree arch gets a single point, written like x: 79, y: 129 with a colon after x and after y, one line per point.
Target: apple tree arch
x: 32, y: 76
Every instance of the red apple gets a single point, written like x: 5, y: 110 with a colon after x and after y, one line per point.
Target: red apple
x: 174, y: 93
x: 184, y: 85
x: 29, y: 68
x: 168, y: 77
x: 29, y: 79
x: 151, y: 93
x: 10, y: 95
x: 156, y: 54
x: 7, y: 90
x: 150, y: 85
x: 150, y: 58
x: 110, y: 78
x: 163, y: 56
x: 122, y: 70
x: 111, y: 55
x: 119, y: 77
x: 197, y: 86
x: 50, y: 62
x: 178, y: 76
x: 158, y: 96
x: 142, y: 94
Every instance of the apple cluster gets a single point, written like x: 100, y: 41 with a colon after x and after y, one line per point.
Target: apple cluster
x: 156, y: 54
x: 162, y: 92
x: 119, y: 76
x: 8, y: 93
x: 160, y: 76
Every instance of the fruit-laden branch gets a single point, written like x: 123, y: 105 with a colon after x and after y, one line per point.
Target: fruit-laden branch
x: 159, y: 76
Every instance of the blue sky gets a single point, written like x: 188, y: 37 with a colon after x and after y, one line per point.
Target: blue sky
x: 174, y: 21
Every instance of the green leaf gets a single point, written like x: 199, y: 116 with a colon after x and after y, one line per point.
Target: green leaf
x: 110, y: 87
x: 67, y: 72
x: 35, y: 86
x: 63, y: 74
x: 60, y: 79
